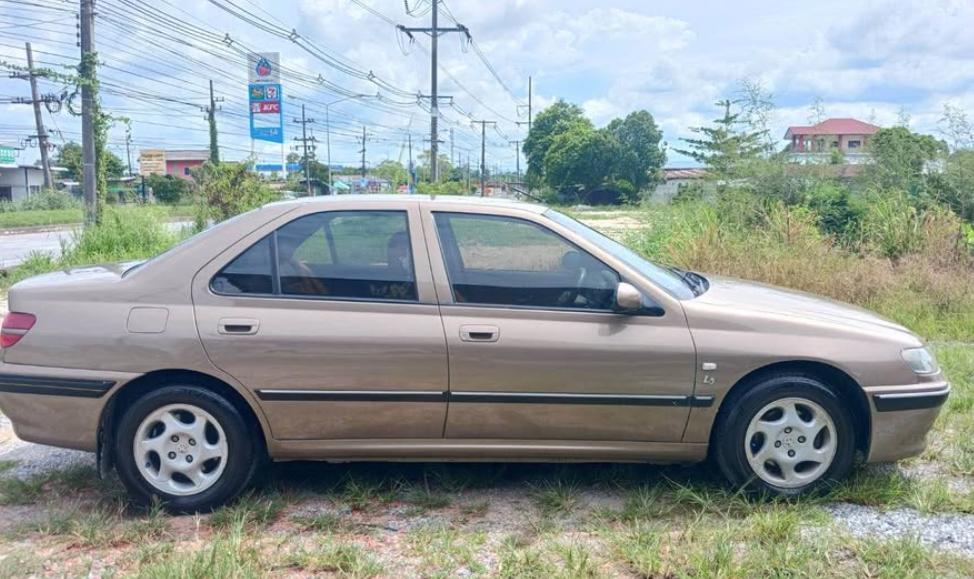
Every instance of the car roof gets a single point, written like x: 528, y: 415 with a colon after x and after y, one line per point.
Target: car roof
x: 436, y: 199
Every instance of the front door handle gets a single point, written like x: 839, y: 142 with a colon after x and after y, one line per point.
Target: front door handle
x: 472, y: 333
x: 238, y: 326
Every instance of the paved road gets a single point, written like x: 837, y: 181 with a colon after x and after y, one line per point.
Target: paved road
x: 15, y: 247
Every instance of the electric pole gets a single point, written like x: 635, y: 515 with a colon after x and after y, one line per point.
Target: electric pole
x: 434, y: 32
x: 468, y: 172
x: 517, y: 155
x: 211, y: 117
x: 304, y: 121
x: 452, y: 161
x: 128, y: 150
x: 412, y: 174
x: 363, y: 152
x: 88, y: 96
x: 39, y: 120
x: 483, y: 151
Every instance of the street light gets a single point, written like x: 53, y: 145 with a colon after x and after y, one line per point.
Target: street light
x: 331, y: 188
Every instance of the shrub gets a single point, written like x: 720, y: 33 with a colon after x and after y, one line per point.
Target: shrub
x: 124, y: 234
x: 43, y: 201
x: 228, y: 189
x: 167, y: 189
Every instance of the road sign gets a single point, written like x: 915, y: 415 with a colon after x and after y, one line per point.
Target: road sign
x: 264, y: 67
x: 268, y: 167
x: 8, y: 155
x: 152, y: 162
x: 266, y: 112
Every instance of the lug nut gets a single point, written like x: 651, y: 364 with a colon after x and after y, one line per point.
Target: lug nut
x: 174, y: 438
x: 192, y: 442
x: 791, y: 453
x: 189, y: 458
x: 172, y: 455
x: 787, y: 430
x: 801, y: 439
x: 777, y: 444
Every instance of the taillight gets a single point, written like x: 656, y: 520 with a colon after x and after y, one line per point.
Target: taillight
x: 15, y: 326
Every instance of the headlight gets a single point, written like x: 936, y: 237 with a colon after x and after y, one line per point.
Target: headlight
x: 920, y: 360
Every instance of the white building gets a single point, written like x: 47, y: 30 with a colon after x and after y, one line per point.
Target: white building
x: 18, y: 182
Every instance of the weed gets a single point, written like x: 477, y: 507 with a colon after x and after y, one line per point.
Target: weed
x: 342, y: 559
x: 555, y: 497
x: 251, y: 510
x: 319, y: 522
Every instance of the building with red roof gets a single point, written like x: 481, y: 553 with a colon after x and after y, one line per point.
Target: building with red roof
x: 816, y: 143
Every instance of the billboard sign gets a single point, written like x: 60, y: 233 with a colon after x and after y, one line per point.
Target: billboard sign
x: 265, y: 67
x: 266, y: 113
x: 152, y: 162
x: 8, y: 155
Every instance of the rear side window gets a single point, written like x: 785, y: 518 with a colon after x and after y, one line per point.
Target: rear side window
x: 340, y: 254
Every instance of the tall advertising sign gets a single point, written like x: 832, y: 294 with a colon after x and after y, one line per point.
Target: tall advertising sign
x: 264, y: 95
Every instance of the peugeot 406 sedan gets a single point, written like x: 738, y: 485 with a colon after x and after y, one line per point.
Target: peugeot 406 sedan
x: 415, y: 328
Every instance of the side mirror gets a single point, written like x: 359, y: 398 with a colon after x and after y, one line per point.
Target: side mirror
x: 628, y: 298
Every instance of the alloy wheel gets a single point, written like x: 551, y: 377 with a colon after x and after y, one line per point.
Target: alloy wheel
x: 791, y: 442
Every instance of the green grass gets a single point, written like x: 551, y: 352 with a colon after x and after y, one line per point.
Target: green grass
x: 332, y: 557
x: 40, y: 487
x: 252, y: 511
x: 555, y: 497
x: 447, y: 552
x: 75, y: 215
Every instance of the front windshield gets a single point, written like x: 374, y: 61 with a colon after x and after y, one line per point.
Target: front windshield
x: 672, y: 283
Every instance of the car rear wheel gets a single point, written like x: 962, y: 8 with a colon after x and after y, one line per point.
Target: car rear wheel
x: 186, y: 446
x: 786, y: 435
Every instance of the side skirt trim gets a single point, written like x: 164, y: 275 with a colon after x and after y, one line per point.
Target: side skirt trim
x: 893, y: 402
x: 484, y: 397
x: 50, y: 386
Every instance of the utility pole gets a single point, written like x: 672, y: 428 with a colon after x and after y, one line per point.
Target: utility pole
x: 412, y: 175
x: 434, y: 32
x: 39, y: 120
x: 483, y: 151
x: 363, y: 152
x: 452, y: 161
x: 517, y: 155
x: 468, y: 172
x: 211, y: 117
x: 128, y: 150
x: 304, y: 121
x: 88, y: 96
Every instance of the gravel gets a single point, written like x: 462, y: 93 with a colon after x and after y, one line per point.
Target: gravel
x: 34, y: 459
x: 953, y: 532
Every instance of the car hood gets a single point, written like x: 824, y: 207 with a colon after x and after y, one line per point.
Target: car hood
x: 755, y: 297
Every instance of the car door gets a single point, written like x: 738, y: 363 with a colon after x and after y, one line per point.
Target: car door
x: 536, y: 350
x: 330, y: 318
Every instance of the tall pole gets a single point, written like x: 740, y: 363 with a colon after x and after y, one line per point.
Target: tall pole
x: 363, y: 152
x: 452, y: 161
x: 211, y: 117
x: 483, y: 152
x: 88, y: 110
x: 412, y: 178
x: 530, y: 83
x: 468, y: 172
x: 517, y: 155
x: 331, y: 185
x: 39, y: 120
x: 307, y: 159
x: 128, y: 150
x: 434, y: 101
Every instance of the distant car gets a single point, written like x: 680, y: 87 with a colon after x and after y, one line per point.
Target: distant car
x: 412, y: 328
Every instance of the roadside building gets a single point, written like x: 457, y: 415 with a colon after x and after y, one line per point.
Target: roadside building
x: 177, y: 163
x: 675, y: 179
x: 830, y: 140
x: 18, y: 182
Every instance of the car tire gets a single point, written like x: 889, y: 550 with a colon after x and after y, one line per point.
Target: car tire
x: 185, y: 446
x: 787, y: 435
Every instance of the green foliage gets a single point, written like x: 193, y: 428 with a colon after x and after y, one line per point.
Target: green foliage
x: 442, y: 188
x: 724, y: 147
x: 900, y: 157
x: 393, y: 171
x: 423, y: 168
x: 559, y: 118
x: 640, y: 157
x: 69, y: 156
x: 228, y: 189
x: 125, y: 233
x: 47, y: 200
x: 167, y: 189
x: 580, y: 160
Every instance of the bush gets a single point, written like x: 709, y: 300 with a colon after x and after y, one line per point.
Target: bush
x: 124, y: 234
x: 167, y: 189
x: 228, y: 189
x: 44, y: 201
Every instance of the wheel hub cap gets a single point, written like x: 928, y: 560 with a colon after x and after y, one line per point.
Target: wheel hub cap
x: 180, y: 449
x: 790, y: 442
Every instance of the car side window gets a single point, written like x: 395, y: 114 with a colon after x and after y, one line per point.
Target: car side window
x: 514, y: 262
x: 249, y: 273
x: 337, y: 254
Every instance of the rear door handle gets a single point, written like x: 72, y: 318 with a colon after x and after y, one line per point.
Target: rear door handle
x: 473, y: 333
x: 238, y: 326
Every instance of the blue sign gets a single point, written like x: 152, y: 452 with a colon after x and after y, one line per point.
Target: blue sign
x: 266, y: 112
x: 293, y: 167
x: 268, y: 167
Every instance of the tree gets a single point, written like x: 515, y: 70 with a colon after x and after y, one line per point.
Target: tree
x: 114, y: 167
x: 580, y: 160
x: 423, y: 169
x: 955, y: 126
x: 638, y: 144
x: 228, y: 189
x: 900, y: 157
x: 724, y: 148
x: 69, y: 156
x: 391, y: 170
x: 167, y: 189
x: 816, y: 111
x: 757, y: 111
x: 551, y: 122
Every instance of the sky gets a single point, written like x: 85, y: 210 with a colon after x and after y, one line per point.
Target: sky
x: 880, y: 61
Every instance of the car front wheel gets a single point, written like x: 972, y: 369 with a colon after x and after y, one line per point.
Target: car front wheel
x: 787, y: 435
x: 186, y: 446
